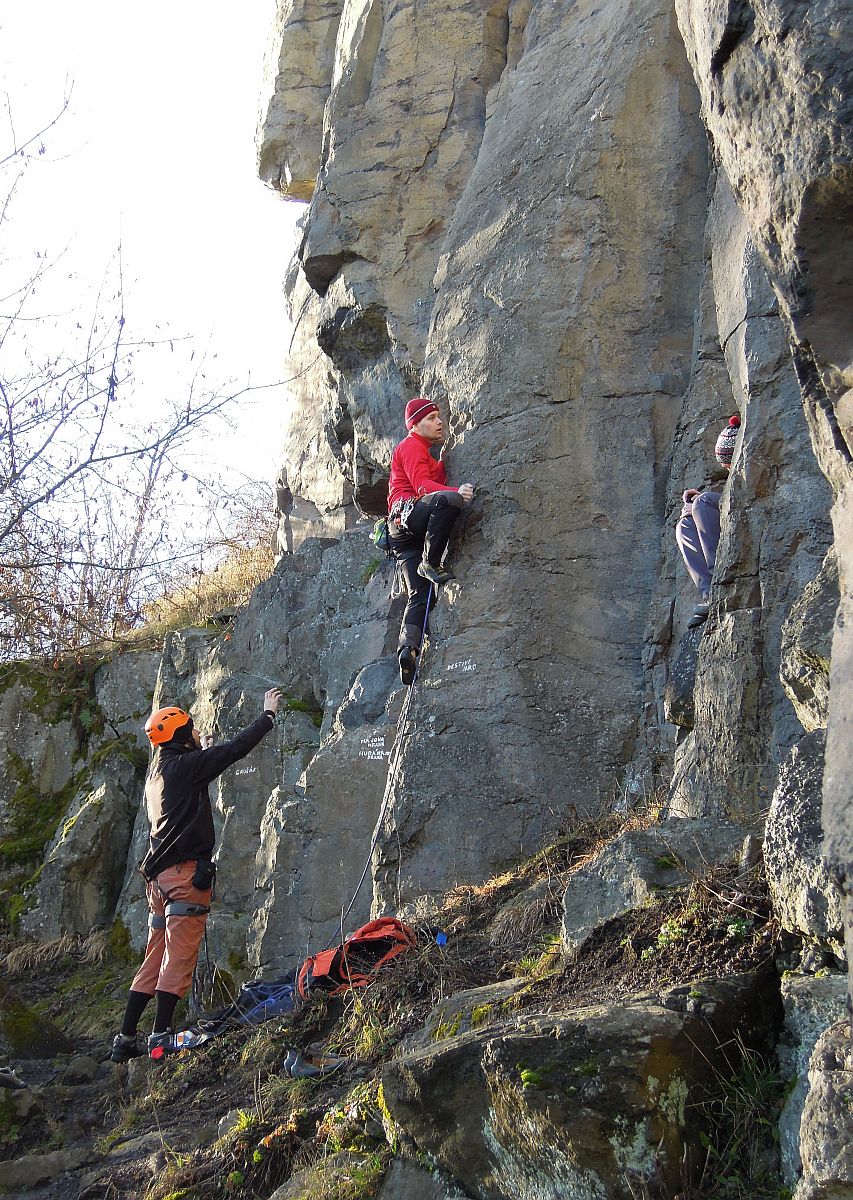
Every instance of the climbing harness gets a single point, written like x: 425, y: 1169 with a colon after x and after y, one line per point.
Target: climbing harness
x: 184, y: 908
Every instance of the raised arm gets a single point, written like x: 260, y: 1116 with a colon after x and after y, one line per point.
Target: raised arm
x: 201, y: 767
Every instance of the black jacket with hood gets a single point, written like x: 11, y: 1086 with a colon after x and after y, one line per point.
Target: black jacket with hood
x: 177, y: 799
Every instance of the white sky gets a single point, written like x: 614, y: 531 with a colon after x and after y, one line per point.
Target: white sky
x: 157, y: 152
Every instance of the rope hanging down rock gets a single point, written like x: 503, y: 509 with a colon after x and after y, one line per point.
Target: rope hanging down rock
x: 392, y: 765
x: 200, y: 976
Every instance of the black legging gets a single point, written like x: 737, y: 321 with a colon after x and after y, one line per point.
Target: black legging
x: 429, y: 526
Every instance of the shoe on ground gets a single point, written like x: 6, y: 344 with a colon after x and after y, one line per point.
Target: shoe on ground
x: 161, y: 1044
x: 408, y: 665
x: 310, y: 1065
x: 8, y: 1079
x: 301, y: 1069
x: 434, y: 575
x: 295, y: 1066
x: 317, y: 1056
x: 126, y: 1047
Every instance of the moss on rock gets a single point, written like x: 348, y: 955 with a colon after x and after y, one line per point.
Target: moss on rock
x: 26, y: 1034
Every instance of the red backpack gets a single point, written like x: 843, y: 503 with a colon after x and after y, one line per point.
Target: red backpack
x: 357, y: 960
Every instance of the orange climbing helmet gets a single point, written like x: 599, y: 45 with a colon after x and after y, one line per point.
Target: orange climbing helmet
x: 162, y: 725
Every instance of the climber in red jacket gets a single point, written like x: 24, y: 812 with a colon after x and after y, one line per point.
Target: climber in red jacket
x: 422, y: 510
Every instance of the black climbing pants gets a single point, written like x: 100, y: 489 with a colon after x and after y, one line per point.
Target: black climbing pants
x: 426, y: 536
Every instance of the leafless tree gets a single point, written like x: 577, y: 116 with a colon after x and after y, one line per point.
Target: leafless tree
x: 91, y: 523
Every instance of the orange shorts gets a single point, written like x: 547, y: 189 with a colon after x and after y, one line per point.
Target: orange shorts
x: 171, y: 953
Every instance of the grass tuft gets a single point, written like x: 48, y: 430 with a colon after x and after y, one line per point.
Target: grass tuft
x: 204, y: 594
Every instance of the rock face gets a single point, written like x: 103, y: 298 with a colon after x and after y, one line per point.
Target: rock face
x: 560, y: 268
x: 773, y: 538
x: 805, y: 893
x: 769, y: 81
x: 640, y: 864
x: 595, y: 1104
x: 542, y: 638
x: 73, y: 757
x: 296, y: 85
x: 807, y: 647
x: 826, y: 1138
x: 294, y: 819
x: 517, y: 276
x: 812, y: 1005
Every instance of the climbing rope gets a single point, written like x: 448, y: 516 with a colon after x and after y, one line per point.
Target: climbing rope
x: 393, y: 762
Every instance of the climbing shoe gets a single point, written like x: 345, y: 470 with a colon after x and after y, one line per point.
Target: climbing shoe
x: 408, y: 665
x: 126, y: 1047
x: 435, y: 575
x: 700, y: 615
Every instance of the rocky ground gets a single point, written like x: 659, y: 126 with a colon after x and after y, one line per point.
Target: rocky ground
x: 223, y: 1119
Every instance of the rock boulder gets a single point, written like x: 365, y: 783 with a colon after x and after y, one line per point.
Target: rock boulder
x: 804, y: 889
x: 640, y: 864
x: 592, y: 1103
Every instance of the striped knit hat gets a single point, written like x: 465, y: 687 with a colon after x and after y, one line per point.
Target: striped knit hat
x: 725, y: 447
x: 419, y: 408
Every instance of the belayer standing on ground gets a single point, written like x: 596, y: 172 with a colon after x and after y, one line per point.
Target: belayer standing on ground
x: 422, y: 510
x: 178, y: 869
x: 698, y: 529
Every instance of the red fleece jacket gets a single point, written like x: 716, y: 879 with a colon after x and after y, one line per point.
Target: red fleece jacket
x: 414, y: 471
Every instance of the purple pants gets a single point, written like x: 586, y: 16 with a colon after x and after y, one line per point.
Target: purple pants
x: 698, y: 534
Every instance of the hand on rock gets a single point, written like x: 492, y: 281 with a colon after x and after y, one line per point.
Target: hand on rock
x: 271, y: 699
x: 466, y: 491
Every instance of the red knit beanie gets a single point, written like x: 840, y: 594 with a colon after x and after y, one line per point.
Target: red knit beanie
x: 725, y: 447
x: 419, y: 408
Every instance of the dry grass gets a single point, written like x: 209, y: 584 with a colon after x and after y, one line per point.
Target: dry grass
x: 29, y: 956
x: 195, y: 601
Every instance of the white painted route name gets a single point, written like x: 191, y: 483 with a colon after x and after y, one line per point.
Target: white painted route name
x: 373, y: 748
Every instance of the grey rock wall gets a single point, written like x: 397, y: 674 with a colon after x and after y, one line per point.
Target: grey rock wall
x: 72, y: 755
x: 558, y: 268
x: 294, y: 818
x: 590, y: 311
x: 777, y: 97
x: 775, y: 532
x: 826, y: 1133
x: 805, y: 893
x: 536, y: 682
x: 812, y: 1005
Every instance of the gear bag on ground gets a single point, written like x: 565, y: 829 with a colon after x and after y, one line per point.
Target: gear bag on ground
x: 356, y: 961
